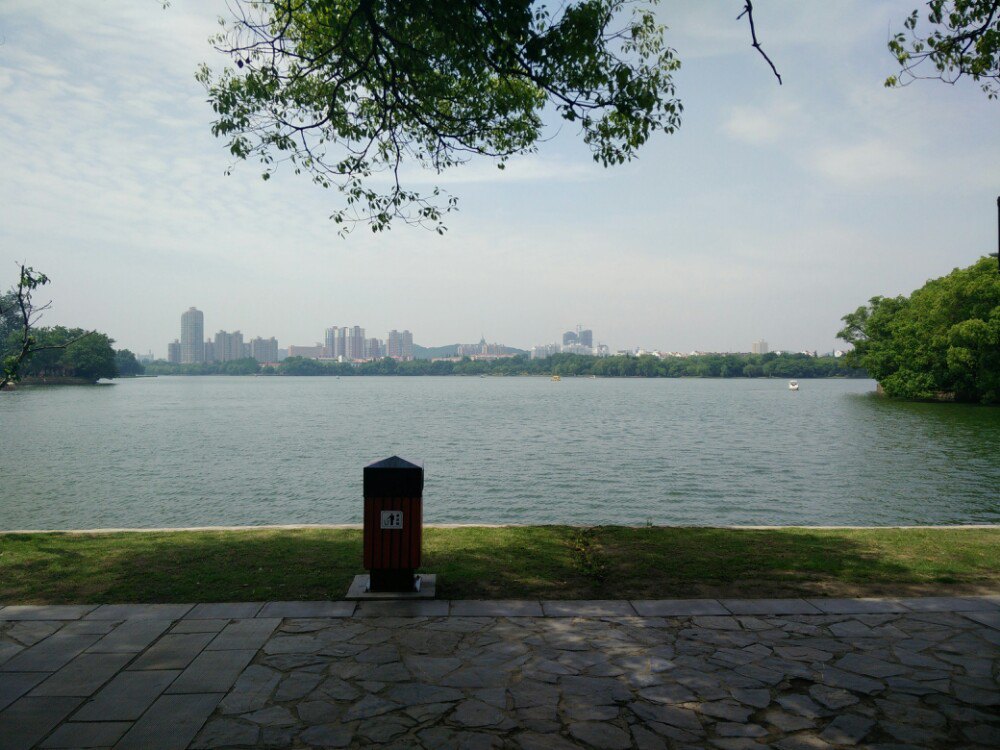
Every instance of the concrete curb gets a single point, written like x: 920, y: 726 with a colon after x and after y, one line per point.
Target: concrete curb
x: 985, y: 608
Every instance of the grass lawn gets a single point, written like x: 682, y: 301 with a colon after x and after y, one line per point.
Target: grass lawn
x: 529, y: 562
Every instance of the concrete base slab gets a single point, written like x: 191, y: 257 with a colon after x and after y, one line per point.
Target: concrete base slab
x: 359, y: 589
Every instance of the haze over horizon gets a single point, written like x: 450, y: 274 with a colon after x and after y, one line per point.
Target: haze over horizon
x: 772, y: 212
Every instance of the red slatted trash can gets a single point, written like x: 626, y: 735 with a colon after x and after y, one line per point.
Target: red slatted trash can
x: 393, y: 491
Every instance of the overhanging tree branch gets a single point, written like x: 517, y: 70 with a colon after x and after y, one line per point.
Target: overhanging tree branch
x: 963, y: 39
x: 348, y: 92
x: 748, y: 12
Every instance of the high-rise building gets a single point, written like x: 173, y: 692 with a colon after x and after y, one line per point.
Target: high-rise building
x: 759, y: 347
x: 399, y: 345
x: 374, y: 349
x: 586, y: 337
x: 192, y: 336
x: 341, y: 350
x: 228, y: 346
x: 331, y: 341
x: 336, y: 342
x: 209, y: 350
x: 264, y: 350
x: 394, y: 344
x: 355, y: 344
x: 174, y: 352
x: 570, y: 337
x: 544, y: 350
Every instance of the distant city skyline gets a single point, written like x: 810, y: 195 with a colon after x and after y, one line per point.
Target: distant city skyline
x: 346, y: 343
x: 350, y: 343
x: 772, y: 211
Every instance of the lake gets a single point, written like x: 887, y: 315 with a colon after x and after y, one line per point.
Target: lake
x: 202, y: 451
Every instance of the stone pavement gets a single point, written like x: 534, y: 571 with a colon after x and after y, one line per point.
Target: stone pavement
x: 729, y: 674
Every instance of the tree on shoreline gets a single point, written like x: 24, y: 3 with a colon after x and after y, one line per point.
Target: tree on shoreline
x: 71, y: 353
x: 19, y: 314
x: 940, y: 343
x: 127, y: 364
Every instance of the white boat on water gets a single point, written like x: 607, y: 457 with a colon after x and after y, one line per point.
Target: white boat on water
x: 793, y: 385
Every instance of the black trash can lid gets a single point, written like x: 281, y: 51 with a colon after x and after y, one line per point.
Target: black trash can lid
x: 394, y: 477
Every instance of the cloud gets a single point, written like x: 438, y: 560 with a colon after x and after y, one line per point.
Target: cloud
x: 758, y: 125
x: 868, y: 163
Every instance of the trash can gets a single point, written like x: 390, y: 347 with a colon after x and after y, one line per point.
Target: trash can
x: 393, y: 528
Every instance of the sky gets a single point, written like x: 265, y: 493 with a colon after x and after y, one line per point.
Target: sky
x: 772, y: 212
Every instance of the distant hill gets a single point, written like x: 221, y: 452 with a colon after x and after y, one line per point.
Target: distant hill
x: 431, y: 352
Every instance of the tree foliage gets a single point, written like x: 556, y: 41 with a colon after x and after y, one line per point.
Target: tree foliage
x: 127, y: 364
x: 347, y: 91
x: 943, y: 339
x: 247, y: 366
x: 963, y: 40
x: 71, y: 353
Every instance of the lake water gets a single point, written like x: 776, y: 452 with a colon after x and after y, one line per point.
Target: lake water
x: 175, y: 451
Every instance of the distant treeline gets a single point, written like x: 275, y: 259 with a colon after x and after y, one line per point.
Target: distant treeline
x: 646, y: 366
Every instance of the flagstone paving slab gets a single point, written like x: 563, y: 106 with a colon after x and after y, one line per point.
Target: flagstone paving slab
x: 307, y: 609
x: 986, y: 618
x: 225, y: 610
x: 507, y: 608
x: 950, y: 604
x: 402, y: 609
x: 127, y: 696
x: 131, y: 636
x: 28, y: 720
x: 858, y: 606
x: 212, y: 672
x: 15, y: 684
x: 244, y: 634
x: 84, y: 675
x: 45, y: 611
x: 698, y: 673
x: 588, y: 609
x: 85, y: 734
x: 171, y: 723
x: 679, y: 607
x: 139, y: 612
x: 173, y: 651
x: 50, y: 654
x: 770, y: 607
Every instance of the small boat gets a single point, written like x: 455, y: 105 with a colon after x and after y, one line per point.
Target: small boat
x: 793, y: 385
x: 556, y: 378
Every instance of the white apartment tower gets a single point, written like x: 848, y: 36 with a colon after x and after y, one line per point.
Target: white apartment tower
x: 192, y: 337
x: 759, y: 347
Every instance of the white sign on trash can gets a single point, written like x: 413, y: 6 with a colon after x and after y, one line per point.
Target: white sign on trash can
x: 392, y: 519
